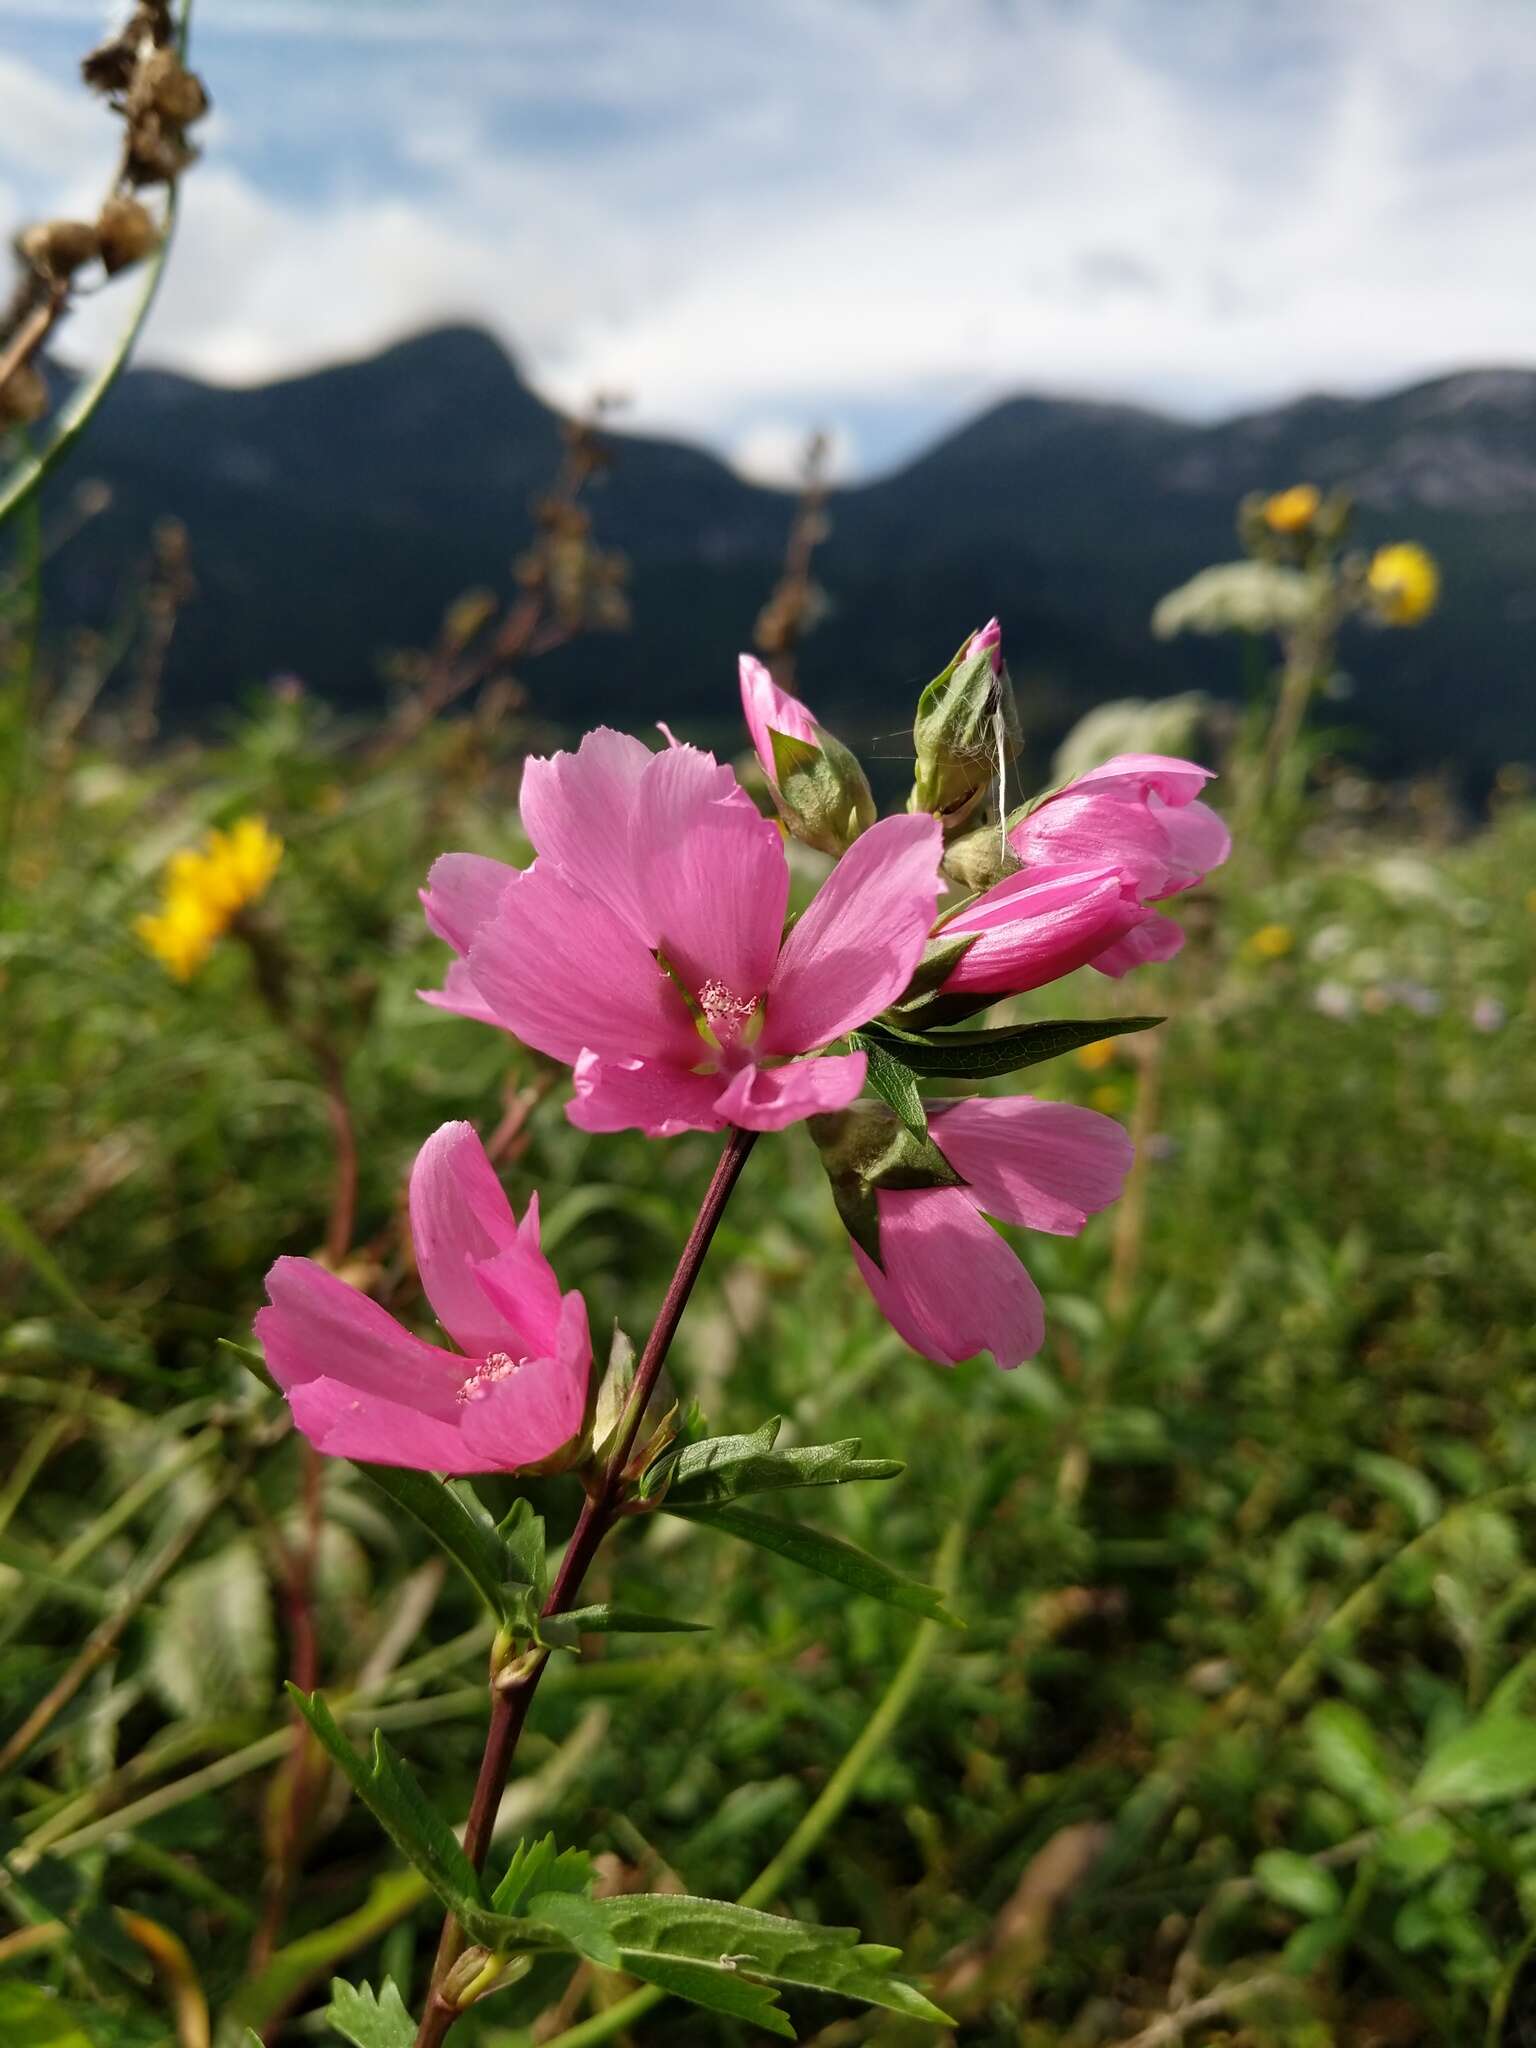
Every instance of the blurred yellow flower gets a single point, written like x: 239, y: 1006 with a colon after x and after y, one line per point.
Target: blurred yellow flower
x: 1293, y: 510
x: 1109, y: 1096
x: 1100, y: 1054
x: 204, y: 889
x: 1269, y: 942
x: 1404, y: 582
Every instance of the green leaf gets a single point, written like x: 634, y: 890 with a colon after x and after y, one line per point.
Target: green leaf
x: 386, y: 1787
x: 457, y: 1523
x: 814, y: 1551
x: 580, y: 1921
x: 1418, y: 1846
x: 1311, y: 1946
x: 540, y: 1867
x: 722, y: 1467
x: 1298, y: 1884
x: 648, y: 1927
x: 522, y: 1537
x: 31, y: 2017
x: 718, y: 1987
x: 1348, y: 1758
x: 212, y: 1647
x: 892, y: 1081
x: 1492, y: 1761
x: 1004, y: 1049
x: 1416, y: 1494
x: 563, y: 1631
x: 368, y: 2019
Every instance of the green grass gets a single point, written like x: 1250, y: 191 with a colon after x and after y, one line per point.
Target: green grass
x: 1280, y: 1467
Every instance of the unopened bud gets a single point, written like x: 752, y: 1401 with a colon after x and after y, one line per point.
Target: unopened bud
x: 966, y: 730
x: 980, y: 857
x: 126, y: 233
x: 819, y: 789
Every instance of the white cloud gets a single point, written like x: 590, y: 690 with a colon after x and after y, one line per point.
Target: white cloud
x: 750, y: 220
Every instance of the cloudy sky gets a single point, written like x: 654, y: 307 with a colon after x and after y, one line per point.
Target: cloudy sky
x: 872, y: 215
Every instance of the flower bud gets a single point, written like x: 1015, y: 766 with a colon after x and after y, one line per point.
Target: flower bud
x: 820, y: 791
x: 126, y: 233
x: 56, y: 249
x: 966, y: 729
x: 980, y: 857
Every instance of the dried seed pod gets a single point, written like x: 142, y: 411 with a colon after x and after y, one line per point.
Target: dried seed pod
x: 23, y: 397
x: 174, y: 92
x: 57, y: 248
x: 126, y: 233
x: 157, y: 151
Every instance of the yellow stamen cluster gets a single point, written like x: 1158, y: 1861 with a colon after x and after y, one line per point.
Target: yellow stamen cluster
x: 1404, y: 582
x: 204, y: 890
x: 1292, y: 511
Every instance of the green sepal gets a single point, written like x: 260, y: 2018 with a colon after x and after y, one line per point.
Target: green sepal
x: 944, y: 954
x: 983, y: 1055
x: 821, y: 792
x: 389, y: 1791
x: 965, y: 729
x: 864, y: 1149
x: 368, y: 2019
x: 724, y: 1467
x: 829, y: 1556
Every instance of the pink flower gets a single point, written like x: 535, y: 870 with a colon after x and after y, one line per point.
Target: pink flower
x: 361, y: 1386
x: 1037, y: 925
x: 768, y: 709
x: 989, y: 641
x: 951, y: 1286
x: 644, y: 947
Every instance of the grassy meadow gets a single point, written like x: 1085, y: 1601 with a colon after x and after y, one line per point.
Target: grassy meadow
x: 1237, y: 1742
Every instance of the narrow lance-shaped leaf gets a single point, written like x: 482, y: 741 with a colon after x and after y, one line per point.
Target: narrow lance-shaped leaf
x: 892, y: 1081
x: 814, y: 1551
x: 563, y: 1631
x: 983, y: 1055
x: 457, y: 1522
x: 397, y: 1803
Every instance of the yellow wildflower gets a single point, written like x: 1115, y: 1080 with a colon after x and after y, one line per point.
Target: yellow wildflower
x: 1270, y: 942
x: 1404, y: 582
x: 1294, y: 510
x: 1109, y: 1096
x: 1101, y: 1053
x: 204, y: 890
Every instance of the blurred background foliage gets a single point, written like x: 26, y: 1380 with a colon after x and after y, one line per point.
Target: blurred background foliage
x: 1239, y: 1743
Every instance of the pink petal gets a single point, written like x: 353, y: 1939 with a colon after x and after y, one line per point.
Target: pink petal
x: 1134, y: 777
x: 459, y: 994
x: 518, y: 1284
x: 1033, y: 930
x: 344, y: 1423
x: 951, y: 1286
x: 359, y: 1385
x: 711, y: 874
x: 1198, y: 840
x: 653, y: 1096
x: 1098, y: 829
x: 1048, y: 1165
x: 769, y: 709
x: 531, y: 1413
x: 565, y: 972
x: 578, y: 810
x: 459, y: 1216
x: 855, y: 949
x: 990, y: 641
x: 462, y: 892
x: 772, y: 1098
x: 1155, y: 938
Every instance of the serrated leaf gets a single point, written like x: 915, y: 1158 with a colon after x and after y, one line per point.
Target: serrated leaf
x: 540, y: 1867
x: 579, y: 1921
x: 1485, y: 1765
x: 739, y: 1940
x: 1004, y: 1049
x: 1348, y: 1758
x: 398, y: 1804
x: 212, y: 1646
x: 522, y: 1537
x: 368, y: 2019
x: 457, y: 1523
x: 718, y: 1987
x: 563, y: 1631
x: 1298, y: 1884
x: 893, y: 1081
x: 814, y: 1551
x: 723, y: 1467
